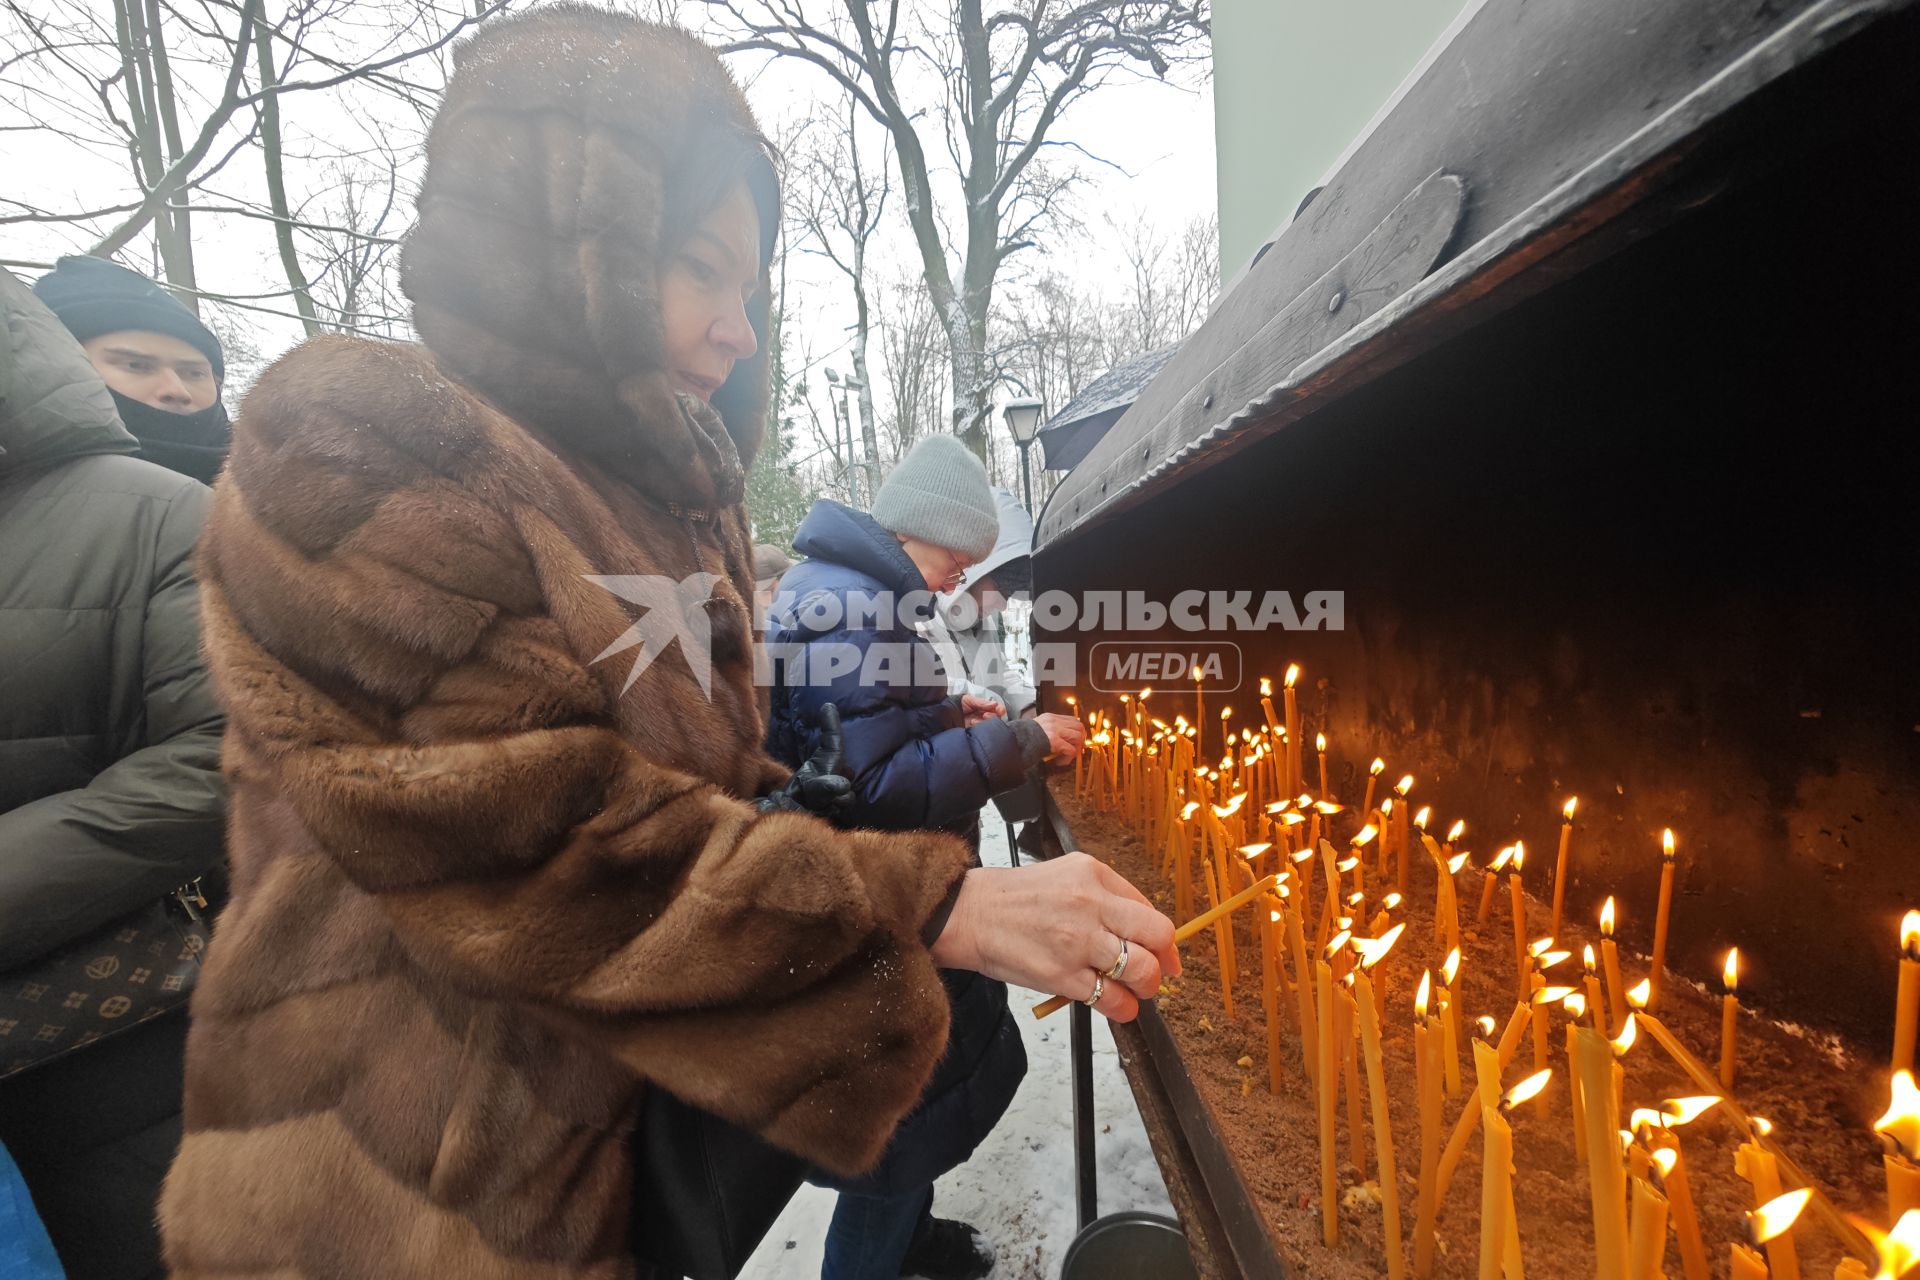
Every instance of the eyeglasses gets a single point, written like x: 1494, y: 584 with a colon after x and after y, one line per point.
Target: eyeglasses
x: 958, y: 570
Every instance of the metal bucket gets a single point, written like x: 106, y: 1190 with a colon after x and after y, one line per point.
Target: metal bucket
x: 1129, y: 1246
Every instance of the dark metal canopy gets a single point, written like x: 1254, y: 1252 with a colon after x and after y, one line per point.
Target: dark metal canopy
x: 1071, y: 434
x: 1547, y: 135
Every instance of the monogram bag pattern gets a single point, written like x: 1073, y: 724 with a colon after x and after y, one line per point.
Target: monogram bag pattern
x: 136, y: 968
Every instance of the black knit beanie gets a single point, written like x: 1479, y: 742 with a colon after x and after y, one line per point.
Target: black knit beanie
x: 93, y: 296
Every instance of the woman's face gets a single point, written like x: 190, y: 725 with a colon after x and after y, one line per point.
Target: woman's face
x: 704, y: 287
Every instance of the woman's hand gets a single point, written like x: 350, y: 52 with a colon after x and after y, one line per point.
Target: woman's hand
x: 1066, y: 735
x: 973, y: 710
x: 1054, y: 926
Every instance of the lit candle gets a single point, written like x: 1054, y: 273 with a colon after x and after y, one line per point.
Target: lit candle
x: 1450, y: 1022
x: 1401, y: 841
x: 1673, y: 1175
x: 1899, y: 1130
x: 1295, y: 779
x: 1647, y: 1236
x: 1303, y: 992
x: 1374, y: 771
x: 1487, y: 886
x: 1456, y: 1148
x: 1327, y: 1083
x: 1270, y: 996
x: 1662, y: 917
x: 1593, y: 1058
x: 1371, y: 952
x: 1745, y: 1264
x: 1346, y: 1031
x: 1560, y: 864
x: 1320, y: 749
x: 1770, y: 1222
x: 1759, y: 1168
x: 1907, y: 1002
x: 1577, y: 1008
x: 1610, y: 956
x: 1426, y: 1052
x: 1499, y: 1234
x: 1591, y: 981
x: 1517, y: 890
x: 1729, y: 1016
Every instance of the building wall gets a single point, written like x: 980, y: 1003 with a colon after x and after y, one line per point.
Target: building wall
x: 1294, y: 82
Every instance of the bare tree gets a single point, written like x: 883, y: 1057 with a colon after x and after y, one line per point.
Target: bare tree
x: 1007, y: 76
x: 913, y: 360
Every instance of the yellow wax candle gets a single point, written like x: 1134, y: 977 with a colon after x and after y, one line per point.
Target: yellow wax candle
x: 1851, y: 1269
x: 1771, y: 1223
x: 1426, y: 1051
x: 1517, y: 889
x: 1542, y: 1021
x: 1906, y: 1018
x: 1294, y: 779
x: 1382, y: 1125
x: 1576, y: 1101
x: 1347, y: 1034
x: 1496, y: 1164
x: 1320, y: 749
x: 1400, y: 834
x: 1593, y: 1058
x: 1327, y: 1083
x: 1303, y: 994
x: 1759, y: 1168
x: 1746, y: 1265
x: 1686, y: 1220
x: 1469, y: 1120
x: 1374, y: 771
x: 1729, y: 1017
x: 1199, y: 715
x: 1488, y: 885
x: 1560, y: 865
x: 1610, y: 956
x: 1662, y: 918
x: 1595, y: 1004
x: 1270, y: 997
x: 1451, y: 1039
x: 1647, y: 1236
x: 1899, y: 1129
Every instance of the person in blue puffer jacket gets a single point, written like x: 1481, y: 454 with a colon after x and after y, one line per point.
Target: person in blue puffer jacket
x: 843, y: 629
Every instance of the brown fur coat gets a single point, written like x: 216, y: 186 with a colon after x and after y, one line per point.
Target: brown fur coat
x: 481, y: 895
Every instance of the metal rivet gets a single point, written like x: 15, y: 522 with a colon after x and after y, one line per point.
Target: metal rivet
x: 1208, y: 402
x: 1334, y: 303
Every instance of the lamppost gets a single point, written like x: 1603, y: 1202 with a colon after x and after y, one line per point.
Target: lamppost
x: 848, y: 386
x: 1023, y: 420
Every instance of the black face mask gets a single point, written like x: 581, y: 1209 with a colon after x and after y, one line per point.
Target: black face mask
x: 194, y: 444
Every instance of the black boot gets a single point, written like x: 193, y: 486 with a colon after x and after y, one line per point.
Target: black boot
x: 943, y: 1249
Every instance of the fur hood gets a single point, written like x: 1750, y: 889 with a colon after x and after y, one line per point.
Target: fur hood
x: 533, y: 268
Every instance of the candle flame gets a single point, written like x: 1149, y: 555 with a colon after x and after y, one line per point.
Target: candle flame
x: 1451, y: 967
x: 1364, y: 835
x: 1327, y: 808
x: 1519, y: 854
x: 1548, y: 959
x: 1575, y: 1005
x: 1266, y: 687
x: 1420, y: 996
x: 1586, y: 957
x: 1551, y: 995
x: 1456, y: 862
x: 1421, y: 815
x: 1730, y: 972
x: 1274, y: 916
x: 1404, y: 785
x: 1666, y: 844
x: 1644, y: 1118
x: 1606, y: 919
x: 1345, y: 865
x: 1374, y: 950
x: 1391, y: 902
x: 1640, y: 993
x: 1573, y: 802
x: 1146, y: 692
x: 1293, y: 673
x: 1292, y: 819
x: 1197, y: 673
x: 1255, y: 850
x: 1679, y: 1111
x: 1898, y: 1251
x: 1303, y: 856
x: 1539, y: 947
x: 1527, y: 1088
x: 1458, y: 829
x: 1910, y: 935
x: 1125, y: 698
x: 1664, y: 1160
x: 1072, y: 701
x: 1357, y: 898
x: 1344, y: 923
x: 1378, y: 767
x: 1386, y: 807
x: 1501, y: 860
x: 1486, y: 1025
x: 1279, y: 806
x: 1901, y: 1123
x: 1188, y: 810
x: 1232, y: 806
x: 1762, y: 1126
x: 1226, y: 713
x: 1629, y: 1032
x: 1336, y: 942
x: 1320, y: 743
x: 1776, y: 1217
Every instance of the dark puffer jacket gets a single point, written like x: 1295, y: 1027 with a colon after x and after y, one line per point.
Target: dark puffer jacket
x: 110, y: 792
x: 914, y: 765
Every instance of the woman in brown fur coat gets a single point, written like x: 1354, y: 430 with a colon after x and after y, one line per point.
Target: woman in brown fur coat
x: 488, y: 888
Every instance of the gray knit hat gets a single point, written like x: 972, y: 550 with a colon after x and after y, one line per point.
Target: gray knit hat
x: 939, y: 494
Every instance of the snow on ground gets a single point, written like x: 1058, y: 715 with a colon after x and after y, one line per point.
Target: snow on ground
x: 1018, y: 1188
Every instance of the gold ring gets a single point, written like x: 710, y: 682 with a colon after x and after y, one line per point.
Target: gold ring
x: 1119, y: 966
x: 1099, y: 989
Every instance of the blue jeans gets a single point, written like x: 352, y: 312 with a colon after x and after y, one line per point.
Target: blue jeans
x: 869, y: 1235
x: 25, y: 1251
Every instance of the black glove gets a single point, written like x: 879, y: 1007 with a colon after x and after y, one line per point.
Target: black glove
x: 817, y: 786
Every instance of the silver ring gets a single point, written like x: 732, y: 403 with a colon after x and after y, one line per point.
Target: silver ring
x: 1120, y: 965
x: 1099, y: 989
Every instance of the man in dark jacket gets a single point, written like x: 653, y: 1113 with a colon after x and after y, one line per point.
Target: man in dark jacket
x: 110, y: 792
x: 163, y: 367
x: 842, y: 630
